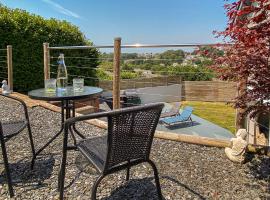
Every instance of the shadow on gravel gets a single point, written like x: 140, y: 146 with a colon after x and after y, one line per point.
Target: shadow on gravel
x: 260, y: 169
x: 135, y: 189
x: 22, y: 174
x: 138, y: 189
x: 184, y: 186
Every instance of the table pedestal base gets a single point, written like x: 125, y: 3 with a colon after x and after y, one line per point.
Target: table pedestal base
x: 67, y: 111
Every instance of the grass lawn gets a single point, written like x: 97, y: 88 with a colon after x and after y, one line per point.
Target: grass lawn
x: 218, y: 113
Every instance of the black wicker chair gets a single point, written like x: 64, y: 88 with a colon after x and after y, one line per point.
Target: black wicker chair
x: 10, y: 129
x: 128, y: 143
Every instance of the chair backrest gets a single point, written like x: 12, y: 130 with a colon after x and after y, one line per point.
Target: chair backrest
x: 176, y: 107
x: 186, y: 113
x: 130, y: 133
x: 109, y: 102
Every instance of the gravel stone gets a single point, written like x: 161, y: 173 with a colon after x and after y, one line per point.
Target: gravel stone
x: 186, y: 171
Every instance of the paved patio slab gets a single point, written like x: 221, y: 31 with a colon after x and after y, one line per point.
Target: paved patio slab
x: 200, y: 127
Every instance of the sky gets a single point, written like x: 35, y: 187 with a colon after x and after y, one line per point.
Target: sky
x: 135, y: 21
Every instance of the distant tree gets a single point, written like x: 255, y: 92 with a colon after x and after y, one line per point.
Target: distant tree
x: 210, y: 51
x: 105, y: 56
x: 172, y: 56
x: 126, y: 56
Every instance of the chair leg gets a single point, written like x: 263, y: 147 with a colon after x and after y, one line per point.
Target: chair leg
x: 127, y: 176
x: 61, y: 178
x: 95, y: 186
x: 5, y: 158
x: 62, y: 173
x: 191, y: 121
x: 33, y: 162
x: 128, y: 171
x: 32, y: 145
x: 156, y: 178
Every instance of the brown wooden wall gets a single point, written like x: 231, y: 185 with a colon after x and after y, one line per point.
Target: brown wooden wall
x: 216, y: 91
x: 209, y: 91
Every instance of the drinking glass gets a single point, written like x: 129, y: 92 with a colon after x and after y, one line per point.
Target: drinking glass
x: 78, y: 84
x: 50, y: 85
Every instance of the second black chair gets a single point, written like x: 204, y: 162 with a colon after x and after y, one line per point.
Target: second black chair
x: 10, y: 129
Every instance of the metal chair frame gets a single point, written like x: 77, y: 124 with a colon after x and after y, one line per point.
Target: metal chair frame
x: 4, y: 138
x: 110, y: 165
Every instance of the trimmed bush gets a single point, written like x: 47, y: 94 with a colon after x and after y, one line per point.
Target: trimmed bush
x: 27, y: 33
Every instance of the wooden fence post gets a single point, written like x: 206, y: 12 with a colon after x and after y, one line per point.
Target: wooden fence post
x: 116, y: 73
x: 46, y: 57
x: 10, y: 66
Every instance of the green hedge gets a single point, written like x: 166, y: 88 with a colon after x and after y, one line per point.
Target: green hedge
x: 27, y: 33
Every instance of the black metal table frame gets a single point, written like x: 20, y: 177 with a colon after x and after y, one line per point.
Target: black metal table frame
x: 67, y: 107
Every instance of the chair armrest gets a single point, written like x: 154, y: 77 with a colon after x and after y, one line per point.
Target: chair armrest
x: 21, y: 102
x: 73, y: 120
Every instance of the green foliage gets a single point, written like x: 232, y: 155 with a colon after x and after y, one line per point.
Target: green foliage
x: 206, y: 62
x: 129, y: 75
x: 191, y: 73
x: 126, y: 56
x: 211, y: 51
x: 127, y: 66
x: 102, y: 75
x: 172, y: 56
x: 105, y: 65
x: 145, y: 66
x: 188, y: 73
x: 167, y: 63
x: 27, y: 32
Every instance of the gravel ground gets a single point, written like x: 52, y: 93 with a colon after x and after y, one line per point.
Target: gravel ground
x: 186, y: 171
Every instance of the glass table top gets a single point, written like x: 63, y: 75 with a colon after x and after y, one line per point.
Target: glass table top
x: 67, y: 94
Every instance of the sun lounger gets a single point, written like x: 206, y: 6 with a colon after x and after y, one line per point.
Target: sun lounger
x: 183, y: 117
x: 173, y: 112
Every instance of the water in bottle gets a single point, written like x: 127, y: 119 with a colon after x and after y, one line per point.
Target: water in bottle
x: 62, y: 76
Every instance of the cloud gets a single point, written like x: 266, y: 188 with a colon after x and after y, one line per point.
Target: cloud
x: 61, y: 9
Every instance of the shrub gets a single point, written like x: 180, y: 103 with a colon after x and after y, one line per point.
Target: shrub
x: 187, y: 72
x: 27, y: 32
x: 107, y: 66
x: 192, y: 73
x: 129, y: 75
x: 103, y: 75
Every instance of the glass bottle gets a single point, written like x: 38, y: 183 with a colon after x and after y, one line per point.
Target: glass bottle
x: 62, y: 76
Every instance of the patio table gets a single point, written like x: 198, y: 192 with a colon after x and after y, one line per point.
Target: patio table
x: 67, y: 98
